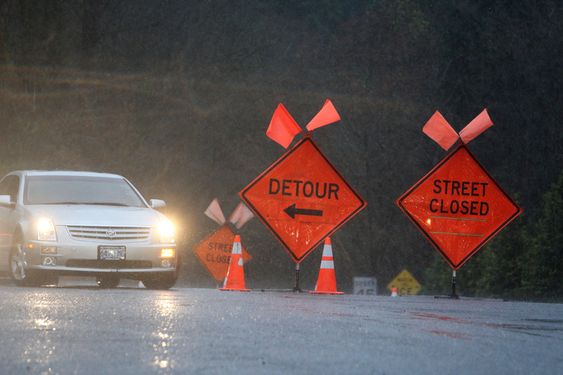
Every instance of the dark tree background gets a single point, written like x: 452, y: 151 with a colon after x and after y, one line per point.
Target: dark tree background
x: 176, y: 95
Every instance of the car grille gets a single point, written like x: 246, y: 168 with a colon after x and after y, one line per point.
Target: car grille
x: 92, y: 263
x: 109, y: 233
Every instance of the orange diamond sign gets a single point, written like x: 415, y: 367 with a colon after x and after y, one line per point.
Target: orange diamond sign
x: 458, y: 206
x: 302, y: 199
x: 214, y: 252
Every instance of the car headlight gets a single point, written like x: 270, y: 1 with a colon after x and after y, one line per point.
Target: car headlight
x: 45, y: 229
x: 167, y: 232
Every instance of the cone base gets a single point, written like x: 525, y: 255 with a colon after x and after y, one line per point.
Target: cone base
x: 322, y: 292
x: 234, y: 290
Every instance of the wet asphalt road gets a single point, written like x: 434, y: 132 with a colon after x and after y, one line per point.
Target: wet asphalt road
x: 83, y: 330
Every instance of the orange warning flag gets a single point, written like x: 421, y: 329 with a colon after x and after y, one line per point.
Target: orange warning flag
x: 241, y: 215
x: 282, y: 128
x: 327, y: 115
x: 440, y: 131
x: 477, y: 126
x: 214, y: 212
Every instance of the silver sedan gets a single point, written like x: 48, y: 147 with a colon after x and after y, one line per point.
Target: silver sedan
x: 83, y: 223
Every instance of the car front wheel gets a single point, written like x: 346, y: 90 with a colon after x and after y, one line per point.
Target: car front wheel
x: 107, y: 281
x: 18, y: 272
x: 160, y: 281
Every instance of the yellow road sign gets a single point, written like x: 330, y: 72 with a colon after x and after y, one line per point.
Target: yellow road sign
x: 405, y: 283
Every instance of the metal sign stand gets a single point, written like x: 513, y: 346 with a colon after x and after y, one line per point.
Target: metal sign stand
x: 297, y: 289
x: 303, y: 213
x: 454, y: 294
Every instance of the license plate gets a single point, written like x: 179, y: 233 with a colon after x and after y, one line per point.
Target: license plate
x: 111, y: 252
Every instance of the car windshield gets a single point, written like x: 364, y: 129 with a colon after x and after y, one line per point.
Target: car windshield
x: 80, y: 190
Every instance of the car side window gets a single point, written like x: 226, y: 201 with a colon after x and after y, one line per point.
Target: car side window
x: 9, y: 186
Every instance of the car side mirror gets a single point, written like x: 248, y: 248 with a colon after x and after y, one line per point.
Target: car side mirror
x: 157, y: 203
x: 6, y: 201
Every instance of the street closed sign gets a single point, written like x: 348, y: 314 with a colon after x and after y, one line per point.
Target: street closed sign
x: 214, y: 252
x: 302, y: 199
x: 458, y: 206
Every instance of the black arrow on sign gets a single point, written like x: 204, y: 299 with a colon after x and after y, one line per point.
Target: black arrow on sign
x: 292, y: 211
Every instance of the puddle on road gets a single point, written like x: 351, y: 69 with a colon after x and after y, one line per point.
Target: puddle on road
x: 44, y: 324
x: 39, y: 348
x: 166, y: 307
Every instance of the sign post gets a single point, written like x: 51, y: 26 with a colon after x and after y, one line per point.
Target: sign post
x: 302, y: 199
x: 454, y: 294
x: 458, y: 205
x: 296, y: 288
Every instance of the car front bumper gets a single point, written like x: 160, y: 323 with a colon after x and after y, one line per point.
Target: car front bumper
x: 81, y: 257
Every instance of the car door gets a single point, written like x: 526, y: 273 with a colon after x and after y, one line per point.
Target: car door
x: 8, y: 217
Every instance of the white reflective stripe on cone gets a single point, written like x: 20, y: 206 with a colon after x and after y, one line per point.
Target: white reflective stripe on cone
x: 327, y: 251
x: 327, y: 264
x: 237, y: 248
x: 240, y: 262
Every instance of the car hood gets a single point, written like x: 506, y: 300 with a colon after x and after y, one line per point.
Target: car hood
x: 96, y: 215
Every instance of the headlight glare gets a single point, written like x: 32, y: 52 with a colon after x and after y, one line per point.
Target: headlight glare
x: 167, y: 232
x: 45, y: 229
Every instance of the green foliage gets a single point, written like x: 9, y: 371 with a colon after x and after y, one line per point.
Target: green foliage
x: 543, y: 273
x: 438, y: 277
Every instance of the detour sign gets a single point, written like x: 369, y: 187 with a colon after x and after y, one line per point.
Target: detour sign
x: 214, y: 252
x: 458, y: 206
x: 302, y: 199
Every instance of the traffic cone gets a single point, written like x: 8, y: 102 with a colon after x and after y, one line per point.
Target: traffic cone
x: 326, y: 283
x: 234, y: 281
x: 394, y: 292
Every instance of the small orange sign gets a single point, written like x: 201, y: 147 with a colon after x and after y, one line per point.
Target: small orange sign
x: 458, y: 206
x: 214, y: 252
x: 302, y: 199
